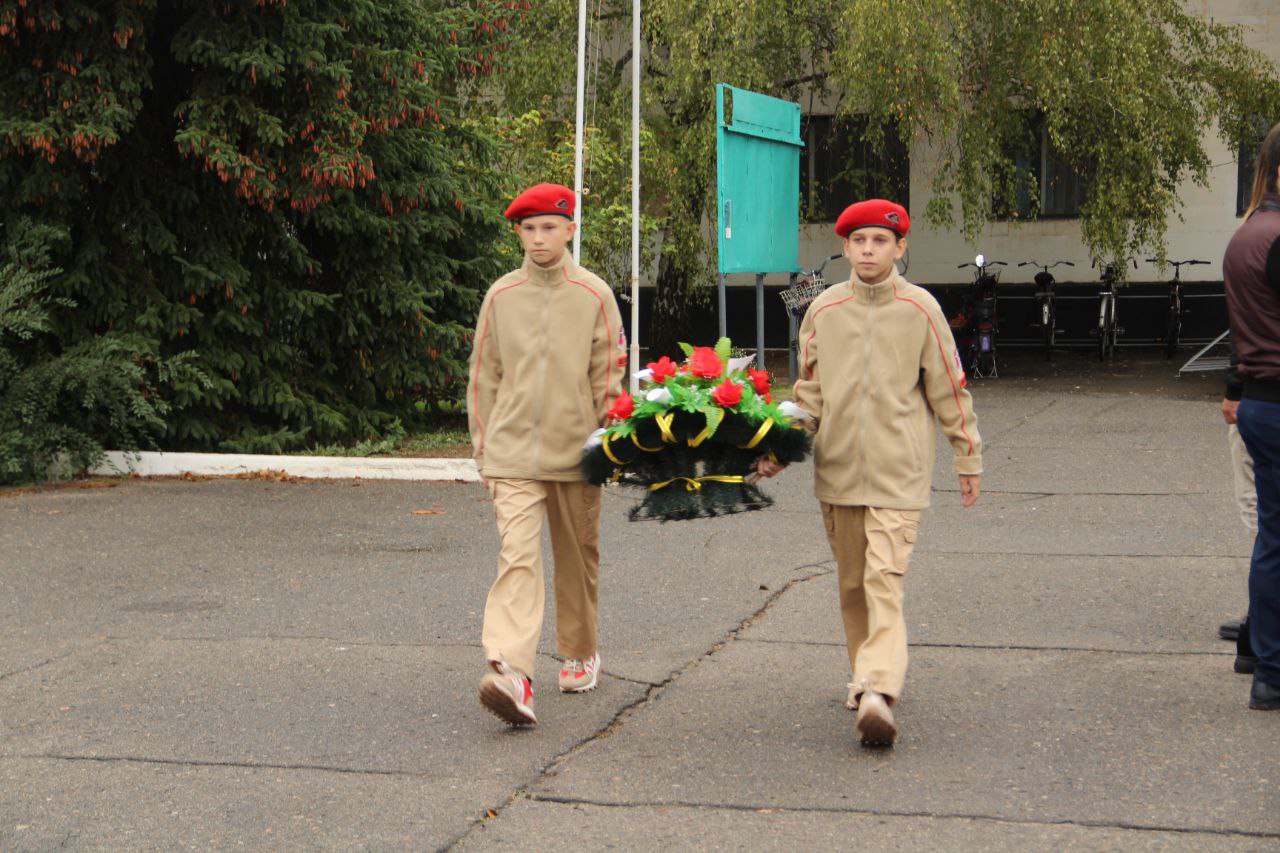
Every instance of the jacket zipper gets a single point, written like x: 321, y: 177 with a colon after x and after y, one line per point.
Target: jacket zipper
x: 863, y: 401
x: 542, y: 380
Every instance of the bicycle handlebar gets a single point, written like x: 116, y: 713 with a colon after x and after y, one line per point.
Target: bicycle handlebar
x: 826, y: 261
x: 1192, y: 262
x: 1046, y: 267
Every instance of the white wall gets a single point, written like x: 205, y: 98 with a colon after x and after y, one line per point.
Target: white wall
x: 1208, y: 213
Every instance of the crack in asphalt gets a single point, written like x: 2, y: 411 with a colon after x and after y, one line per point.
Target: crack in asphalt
x: 1079, y: 556
x: 620, y: 718
x: 1014, y: 492
x: 994, y: 439
x: 1007, y: 647
x: 33, y: 667
x: 193, y: 762
x: 738, y: 807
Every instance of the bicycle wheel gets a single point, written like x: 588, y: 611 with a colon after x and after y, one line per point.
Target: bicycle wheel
x: 1173, y: 328
x: 1104, y: 321
x: 1112, y: 328
x: 1048, y: 322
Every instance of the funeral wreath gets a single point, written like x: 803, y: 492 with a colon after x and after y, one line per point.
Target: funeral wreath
x: 692, y: 435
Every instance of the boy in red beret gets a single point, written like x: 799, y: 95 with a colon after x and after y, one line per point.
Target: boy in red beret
x: 546, y: 365
x: 878, y: 366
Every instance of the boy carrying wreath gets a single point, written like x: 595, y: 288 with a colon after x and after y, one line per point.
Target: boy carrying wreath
x: 546, y: 366
x: 878, y: 366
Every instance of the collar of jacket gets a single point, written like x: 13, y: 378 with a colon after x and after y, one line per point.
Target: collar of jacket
x: 549, y: 276
x: 873, y: 293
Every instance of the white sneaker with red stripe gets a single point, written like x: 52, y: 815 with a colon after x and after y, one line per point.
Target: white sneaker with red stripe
x: 508, y: 695
x: 579, y: 676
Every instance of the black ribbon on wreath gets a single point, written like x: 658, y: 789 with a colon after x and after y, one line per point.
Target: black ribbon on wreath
x: 689, y: 470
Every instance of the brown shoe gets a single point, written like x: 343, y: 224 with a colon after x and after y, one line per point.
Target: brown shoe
x: 875, y: 720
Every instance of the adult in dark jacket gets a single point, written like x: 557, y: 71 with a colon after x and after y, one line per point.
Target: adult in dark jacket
x: 1251, y: 269
x: 1237, y: 630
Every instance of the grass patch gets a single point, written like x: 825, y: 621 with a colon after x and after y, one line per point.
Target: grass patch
x: 446, y: 436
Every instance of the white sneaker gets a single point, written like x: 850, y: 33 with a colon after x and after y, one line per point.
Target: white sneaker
x: 875, y: 720
x: 579, y: 676
x: 508, y: 695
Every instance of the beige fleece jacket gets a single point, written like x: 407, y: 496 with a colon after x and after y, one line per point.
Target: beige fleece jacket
x: 547, y: 363
x: 877, y: 365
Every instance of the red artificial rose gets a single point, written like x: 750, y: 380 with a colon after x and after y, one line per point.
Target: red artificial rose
x: 705, y: 363
x: 661, y: 370
x: 727, y: 393
x: 622, y: 407
x: 759, y: 380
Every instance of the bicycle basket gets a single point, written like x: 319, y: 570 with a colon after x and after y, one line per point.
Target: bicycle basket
x: 798, y: 297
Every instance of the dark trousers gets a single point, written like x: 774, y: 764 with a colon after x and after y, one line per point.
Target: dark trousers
x: 1259, y: 424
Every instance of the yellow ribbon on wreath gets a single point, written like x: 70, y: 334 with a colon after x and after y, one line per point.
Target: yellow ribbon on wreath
x: 693, y: 484
x: 760, y: 434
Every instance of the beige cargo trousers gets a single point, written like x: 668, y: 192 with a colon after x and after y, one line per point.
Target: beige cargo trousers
x: 872, y: 547
x: 514, y: 609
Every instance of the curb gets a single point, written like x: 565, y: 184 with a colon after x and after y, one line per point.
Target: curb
x: 155, y: 464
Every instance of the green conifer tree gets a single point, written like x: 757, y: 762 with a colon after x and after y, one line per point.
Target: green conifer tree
x: 285, y: 190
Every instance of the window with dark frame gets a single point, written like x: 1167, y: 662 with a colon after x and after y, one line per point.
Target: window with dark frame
x: 839, y: 166
x: 1061, y: 188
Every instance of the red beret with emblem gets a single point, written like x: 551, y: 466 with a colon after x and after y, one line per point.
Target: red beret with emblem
x: 875, y: 213
x: 542, y: 200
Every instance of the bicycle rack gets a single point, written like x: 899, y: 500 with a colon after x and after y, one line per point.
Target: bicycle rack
x: 1200, y: 363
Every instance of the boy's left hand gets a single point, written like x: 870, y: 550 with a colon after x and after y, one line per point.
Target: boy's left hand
x: 970, y: 488
x: 765, y: 467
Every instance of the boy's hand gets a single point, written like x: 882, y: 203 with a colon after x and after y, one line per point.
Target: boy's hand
x: 1229, y: 410
x: 970, y: 488
x: 765, y: 467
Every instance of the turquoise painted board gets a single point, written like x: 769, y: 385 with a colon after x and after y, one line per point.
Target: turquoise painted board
x: 757, y: 182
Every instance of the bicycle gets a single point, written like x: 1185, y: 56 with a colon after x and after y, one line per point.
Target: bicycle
x: 1048, y: 313
x: 806, y: 289
x: 983, y: 319
x: 1108, y: 309
x: 1173, y: 322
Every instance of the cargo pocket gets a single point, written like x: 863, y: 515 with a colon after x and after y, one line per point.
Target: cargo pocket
x: 829, y: 522
x: 906, y: 530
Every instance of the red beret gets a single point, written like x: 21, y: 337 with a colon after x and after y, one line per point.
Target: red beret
x: 542, y: 200
x: 875, y: 213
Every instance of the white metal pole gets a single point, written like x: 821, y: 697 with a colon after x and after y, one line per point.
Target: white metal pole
x: 635, y: 194
x: 577, y: 142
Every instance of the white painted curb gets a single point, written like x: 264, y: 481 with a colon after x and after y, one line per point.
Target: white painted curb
x: 153, y: 464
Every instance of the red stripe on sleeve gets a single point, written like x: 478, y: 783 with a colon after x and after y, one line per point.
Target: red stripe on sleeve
x: 942, y: 353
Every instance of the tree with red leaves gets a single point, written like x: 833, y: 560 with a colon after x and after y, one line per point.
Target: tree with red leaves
x: 287, y: 192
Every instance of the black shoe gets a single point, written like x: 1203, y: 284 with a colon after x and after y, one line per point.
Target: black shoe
x: 1230, y: 630
x: 1264, y: 696
x: 1246, y: 664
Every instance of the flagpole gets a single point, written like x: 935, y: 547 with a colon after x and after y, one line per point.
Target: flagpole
x: 577, y: 141
x: 635, y: 194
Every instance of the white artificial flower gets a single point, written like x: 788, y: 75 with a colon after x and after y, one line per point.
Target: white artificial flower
x: 658, y: 395
x: 644, y: 375
x: 595, y: 439
x: 793, y: 411
x: 741, y: 363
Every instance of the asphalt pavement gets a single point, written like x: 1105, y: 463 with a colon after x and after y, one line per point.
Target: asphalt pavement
x: 268, y: 664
